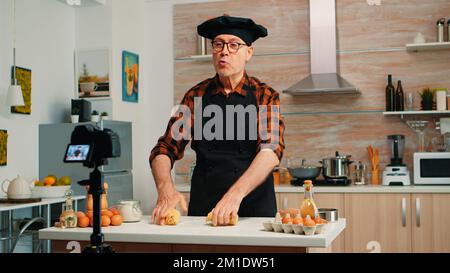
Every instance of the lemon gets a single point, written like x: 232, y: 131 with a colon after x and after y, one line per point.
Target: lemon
x: 65, y: 180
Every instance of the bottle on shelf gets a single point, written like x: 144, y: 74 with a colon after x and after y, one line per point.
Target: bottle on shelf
x: 390, y: 95
x: 441, y: 99
x: 399, y: 98
x: 448, y: 30
x: 202, y: 45
x: 440, y: 30
x: 68, y: 217
x: 308, y: 206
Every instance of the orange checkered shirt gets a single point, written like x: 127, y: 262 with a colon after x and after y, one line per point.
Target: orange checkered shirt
x: 265, y: 96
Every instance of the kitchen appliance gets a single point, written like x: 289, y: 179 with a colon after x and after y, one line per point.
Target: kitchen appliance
x: 18, y: 188
x: 84, y: 108
x: 396, y: 173
x: 336, y: 167
x: 432, y: 168
x: 324, y: 78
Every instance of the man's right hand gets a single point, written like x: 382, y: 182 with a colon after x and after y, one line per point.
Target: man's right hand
x: 167, y: 200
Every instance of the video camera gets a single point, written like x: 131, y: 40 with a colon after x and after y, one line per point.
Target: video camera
x: 92, y: 146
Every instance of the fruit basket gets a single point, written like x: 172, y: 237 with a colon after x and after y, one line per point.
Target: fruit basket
x: 49, y: 192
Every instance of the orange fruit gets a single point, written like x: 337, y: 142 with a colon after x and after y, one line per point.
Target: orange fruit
x: 107, y: 213
x: 49, y: 181
x: 297, y: 221
x: 106, y: 221
x: 116, y: 220
x: 90, y: 213
x: 83, y: 221
x: 115, y: 211
x: 80, y: 214
x: 286, y: 220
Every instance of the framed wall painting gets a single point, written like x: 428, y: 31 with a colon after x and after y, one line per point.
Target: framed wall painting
x: 92, y: 73
x: 130, y: 77
x: 3, y: 147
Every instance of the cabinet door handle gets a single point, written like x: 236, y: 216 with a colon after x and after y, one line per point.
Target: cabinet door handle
x: 285, y: 203
x: 404, y: 212
x: 418, y: 212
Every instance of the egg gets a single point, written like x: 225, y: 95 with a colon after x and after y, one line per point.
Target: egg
x: 308, y: 222
x: 286, y: 220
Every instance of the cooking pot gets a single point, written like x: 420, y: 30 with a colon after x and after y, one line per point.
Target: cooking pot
x: 305, y: 171
x: 336, y: 167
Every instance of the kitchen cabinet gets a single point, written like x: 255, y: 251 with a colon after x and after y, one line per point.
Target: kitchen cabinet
x: 397, y: 222
x: 430, y: 222
x: 323, y: 200
x: 378, y: 222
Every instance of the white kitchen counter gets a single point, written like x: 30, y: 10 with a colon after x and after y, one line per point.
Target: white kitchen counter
x: 43, y: 202
x: 351, y: 189
x: 194, y: 230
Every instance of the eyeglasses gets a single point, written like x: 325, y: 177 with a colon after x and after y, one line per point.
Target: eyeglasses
x: 232, y: 47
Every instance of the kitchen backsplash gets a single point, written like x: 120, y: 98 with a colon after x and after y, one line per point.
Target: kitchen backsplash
x: 371, y: 45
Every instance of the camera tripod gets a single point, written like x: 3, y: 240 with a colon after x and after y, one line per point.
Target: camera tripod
x: 95, y: 184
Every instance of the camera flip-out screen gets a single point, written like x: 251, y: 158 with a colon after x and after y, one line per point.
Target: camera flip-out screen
x: 77, y: 153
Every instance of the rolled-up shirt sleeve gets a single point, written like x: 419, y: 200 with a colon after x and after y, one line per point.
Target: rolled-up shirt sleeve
x: 271, y: 124
x: 173, y: 142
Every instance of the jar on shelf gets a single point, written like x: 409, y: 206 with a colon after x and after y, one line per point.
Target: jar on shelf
x: 441, y: 99
x: 68, y: 217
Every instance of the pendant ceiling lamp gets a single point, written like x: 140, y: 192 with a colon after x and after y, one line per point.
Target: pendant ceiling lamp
x: 14, y: 96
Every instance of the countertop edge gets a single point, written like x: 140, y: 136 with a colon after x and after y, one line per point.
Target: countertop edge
x: 184, y: 188
x: 131, y: 235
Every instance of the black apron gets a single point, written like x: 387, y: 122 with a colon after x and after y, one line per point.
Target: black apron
x: 219, y: 163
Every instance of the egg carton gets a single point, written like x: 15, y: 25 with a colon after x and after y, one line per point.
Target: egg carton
x: 298, y: 229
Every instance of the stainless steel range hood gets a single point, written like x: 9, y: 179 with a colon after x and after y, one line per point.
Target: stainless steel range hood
x: 324, y: 78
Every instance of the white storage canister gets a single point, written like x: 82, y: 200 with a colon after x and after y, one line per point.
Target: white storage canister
x: 441, y: 99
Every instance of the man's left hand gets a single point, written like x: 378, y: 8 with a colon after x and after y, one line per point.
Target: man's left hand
x: 226, y: 209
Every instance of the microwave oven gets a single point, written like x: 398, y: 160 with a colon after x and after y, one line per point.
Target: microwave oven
x: 432, y: 168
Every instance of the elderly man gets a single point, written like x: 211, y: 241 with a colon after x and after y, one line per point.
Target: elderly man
x: 233, y: 175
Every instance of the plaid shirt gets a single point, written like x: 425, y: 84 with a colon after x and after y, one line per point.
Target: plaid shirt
x: 265, y: 96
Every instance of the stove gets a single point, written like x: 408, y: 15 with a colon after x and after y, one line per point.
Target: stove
x: 327, y: 182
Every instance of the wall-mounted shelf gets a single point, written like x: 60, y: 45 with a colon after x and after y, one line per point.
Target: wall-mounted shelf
x: 411, y: 113
x: 427, y: 46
